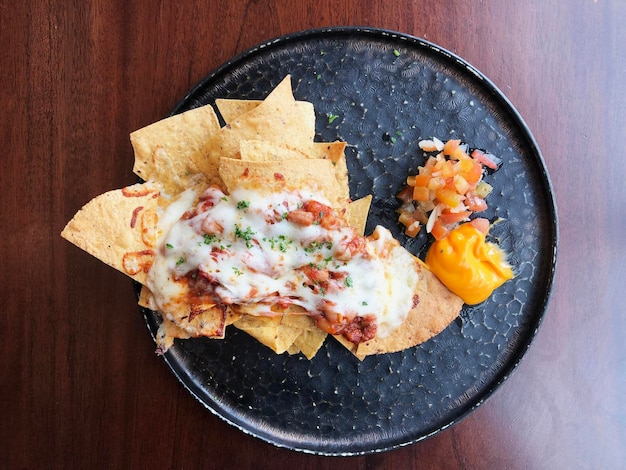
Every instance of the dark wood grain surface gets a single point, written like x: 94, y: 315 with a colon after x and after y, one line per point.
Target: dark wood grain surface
x: 80, y: 386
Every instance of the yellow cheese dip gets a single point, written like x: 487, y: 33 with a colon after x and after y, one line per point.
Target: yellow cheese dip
x: 468, y: 265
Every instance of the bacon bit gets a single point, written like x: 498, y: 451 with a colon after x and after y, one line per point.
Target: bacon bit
x: 356, y: 329
x: 324, y: 215
x: 190, y: 214
x: 246, y: 172
x: 360, y: 329
x: 138, y: 190
x: 351, y: 248
x: 301, y: 217
x: 319, y: 277
x: 279, y: 177
x: 133, y: 219
x: 416, y: 301
x: 137, y: 261
x: 149, y: 222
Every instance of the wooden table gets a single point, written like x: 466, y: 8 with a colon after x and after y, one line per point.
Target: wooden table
x: 81, y: 386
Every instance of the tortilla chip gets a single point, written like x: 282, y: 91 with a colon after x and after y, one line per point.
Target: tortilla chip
x: 202, y: 318
x: 311, y: 338
x: 258, y: 150
x: 167, y: 332
x: 146, y: 299
x: 166, y: 151
x: 270, y: 331
x: 268, y: 146
x: 356, y: 214
x: 210, y: 324
x: 119, y: 228
x: 231, y: 109
x: 264, y: 151
x: 437, y: 308
x: 277, y: 119
x: 333, y: 151
x: 313, y: 175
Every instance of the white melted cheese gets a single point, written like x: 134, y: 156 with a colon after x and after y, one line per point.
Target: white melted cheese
x: 252, y: 262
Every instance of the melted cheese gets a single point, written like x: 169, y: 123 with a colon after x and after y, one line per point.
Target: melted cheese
x: 255, y: 256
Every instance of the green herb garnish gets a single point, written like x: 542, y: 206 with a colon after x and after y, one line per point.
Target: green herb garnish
x: 245, y: 235
x: 209, y: 238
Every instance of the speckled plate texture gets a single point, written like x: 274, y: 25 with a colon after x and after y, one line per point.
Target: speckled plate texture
x: 389, y: 91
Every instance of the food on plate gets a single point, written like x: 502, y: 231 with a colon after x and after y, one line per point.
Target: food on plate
x: 467, y: 264
x: 447, y: 189
x: 251, y: 224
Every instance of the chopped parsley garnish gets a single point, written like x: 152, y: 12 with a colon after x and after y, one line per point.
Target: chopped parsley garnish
x: 246, y: 235
x: 315, y: 245
x: 331, y: 118
x: 348, y: 282
x: 364, y: 303
x: 238, y: 271
x: 180, y: 261
x: 224, y: 198
x: 396, y: 52
x: 169, y: 245
x: 281, y: 242
x: 243, y: 204
x: 209, y: 238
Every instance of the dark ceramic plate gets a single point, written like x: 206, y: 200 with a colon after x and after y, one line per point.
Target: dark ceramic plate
x: 389, y: 91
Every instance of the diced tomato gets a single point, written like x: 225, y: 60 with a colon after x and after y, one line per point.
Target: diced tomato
x: 447, y: 169
x: 475, y: 203
x: 421, y: 193
x: 413, y: 229
x: 450, y: 180
x: 460, y: 184
x: 436, y: 182
x: 472, y: 171
x: 449, y: 218
x: 481, y: 224
x: 450, y: 146
x: 449, y: 197
x: 439, y: 231
x: 406, y: 218
x: 430, y: 163
x: 422, y: 179
x: 484, y: 160
x: 406, y: 195
x: 420, y: 216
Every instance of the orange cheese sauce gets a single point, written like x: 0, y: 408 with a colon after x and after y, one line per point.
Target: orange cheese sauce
x: 468, y: 265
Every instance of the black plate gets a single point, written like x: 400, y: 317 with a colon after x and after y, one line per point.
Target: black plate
x: 389, y: 90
